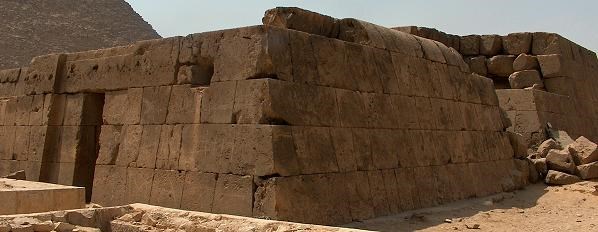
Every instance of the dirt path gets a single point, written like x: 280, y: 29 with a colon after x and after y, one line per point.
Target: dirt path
x: 536, y: 208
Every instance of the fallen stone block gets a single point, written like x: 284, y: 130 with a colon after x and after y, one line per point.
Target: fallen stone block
x: 525, y: 62
x: 552, y: 65
x: 583, y: 150
x: 525, y: 79
x: 546, y: 146
x: 517, y: 43
x: 501, y: 65
x: 490, y: 45
x: 478, y: 65
x: 560, y: 160
x: 560, y: 178
x: 561, y: 137
x: 588, y: 171
x: 470, y: 45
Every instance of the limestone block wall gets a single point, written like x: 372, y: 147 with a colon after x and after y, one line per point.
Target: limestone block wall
x: 566, y: 75
x: 332, y: 122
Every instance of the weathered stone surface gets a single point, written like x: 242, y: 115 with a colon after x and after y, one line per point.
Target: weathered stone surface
x: 525, y: 79
x: 583, y: 150
x: 588, y: 171
x: 123, y: 107
x: 234, y: 195
x: 470, y: 45
x: 560, y: 178
x: 501, y: 65
x: 478, y: 65
x: 546, y: 146
x: 518, y: 143
x: 525, y: 62
x: 552, y: 65
x: 302, y: 20
x: 490, y: 45
x: 167, y: 188
x: 560, y: 161
x: 517, y: 43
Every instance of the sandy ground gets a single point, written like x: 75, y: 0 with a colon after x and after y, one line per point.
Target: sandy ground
x: 535, y: 208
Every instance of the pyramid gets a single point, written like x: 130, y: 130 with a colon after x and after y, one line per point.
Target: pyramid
x: 35, y: 27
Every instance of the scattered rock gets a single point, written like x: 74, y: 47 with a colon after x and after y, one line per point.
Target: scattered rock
x: 560, y: 178
x: 546, y: 146
x: 525, y: 62
x: 535, y: 87
x: 18, y: 175
x: 561, y: 137
x: 86, y: 229
x: 4, y: 226
x: 22, y: 228
x: 583, y: 150
x: 81, y: 218
x: 448, y: 220
x: 560, y: 160
x: 525, y: 79
x: 588, y: 171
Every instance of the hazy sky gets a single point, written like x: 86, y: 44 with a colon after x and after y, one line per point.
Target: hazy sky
x: 574, y: 19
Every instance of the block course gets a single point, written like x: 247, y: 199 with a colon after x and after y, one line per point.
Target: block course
x: 349, y: 112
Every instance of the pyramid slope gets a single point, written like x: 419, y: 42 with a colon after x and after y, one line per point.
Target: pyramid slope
x: 35, y: 27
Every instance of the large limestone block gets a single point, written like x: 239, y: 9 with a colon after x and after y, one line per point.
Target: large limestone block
x: 525, y: 62
x: 333, y: 62
x: 302, y: 20
x: 123, y: 107
x: 108, y: 185
x: 154, y: 104
x: 184, y: 105
x: 490, y: 45
x: 501, y: 65
x: 139, y: 185
x: 198, y: 191
x: 583, y: 150
x: 42, y: 74
x: 550, y: 43
x: 23, y: 110
x: 217, y: 103
x: 234, y: 195
x: 167, y: 188
x: 148, y: 146
x: 560, y: 161
x: 169, y: 148
x: 315, y: 151
x: 431, y: 50
x: 146, y: 63
x: 353, y: 30
x: 470, y: 45
x: 552, y: 65
x: 128, y: 149
x: 109, y: 142
x: 525, y: 79
x: 478, y: 65
x: 517, y: 43
x: 361, y: 69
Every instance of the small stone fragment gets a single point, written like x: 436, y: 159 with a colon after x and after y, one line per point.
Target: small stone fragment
x: 473, y: 227
x: 43, y: 226
x: 64, y: 227
x: 18, y: 175
x: 541, y: 166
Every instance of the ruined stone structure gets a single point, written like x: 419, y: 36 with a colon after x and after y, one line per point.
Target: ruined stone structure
x: 565, y: 75
x: 306, y: 118
x: 32, y: 28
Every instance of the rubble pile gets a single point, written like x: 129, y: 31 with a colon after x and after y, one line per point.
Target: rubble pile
x: 564, y: 162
